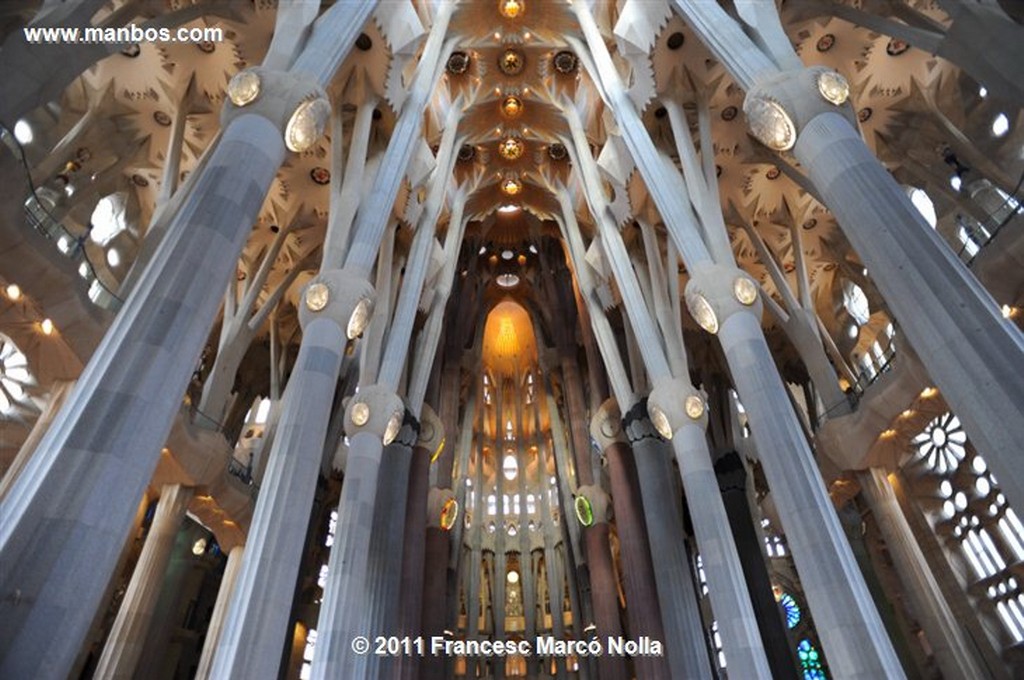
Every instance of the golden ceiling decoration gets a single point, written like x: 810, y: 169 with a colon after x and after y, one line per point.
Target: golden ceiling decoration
x: 511, y: 148
x: 511, y: 9
x: 512, y: 106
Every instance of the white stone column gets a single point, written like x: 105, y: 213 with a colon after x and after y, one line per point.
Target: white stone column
x: 945, y: 634
x: 220, y: 610
x: 128, y: 635
x: 58, y: 394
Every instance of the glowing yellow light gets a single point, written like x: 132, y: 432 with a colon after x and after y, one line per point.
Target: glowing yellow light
x: 512, y: 106
x: 511, y: 9
x: 511, y: 186
x: 928, y: 392
x: 906, y: 414
x: 13, y: 292
x: 511, y: 63
x: 511, y: 148
x: 46, y: 326
x: 887, y: 434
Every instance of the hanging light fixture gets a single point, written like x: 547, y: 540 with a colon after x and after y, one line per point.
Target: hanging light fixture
x: 511, y: 9
x: 511, y: 186
x: 511, y: 148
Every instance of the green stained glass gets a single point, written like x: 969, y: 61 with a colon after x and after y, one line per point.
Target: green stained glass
x: 584, y: 511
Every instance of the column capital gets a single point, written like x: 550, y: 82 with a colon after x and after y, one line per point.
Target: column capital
x: 637, y: 425
x: 431, y: 432
x: 780, y: 105
x: 606, y: 425
x: 442, y: 509
x: 293, y: 102
x: 595, y: 500
x: 377, y: 410
x: 340, y: 295
x: 674, y: 403
x: 716, y: 292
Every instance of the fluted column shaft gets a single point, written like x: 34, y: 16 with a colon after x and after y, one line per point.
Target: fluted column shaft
x: 643, y: 611
x: 415, y: 547
x: 220, y: 610
x: 945, y: 635
x: 258, y: 616
x: 953, y: 323
x: 685, y: 645
x: 68, y: 513
x: 128, y: 634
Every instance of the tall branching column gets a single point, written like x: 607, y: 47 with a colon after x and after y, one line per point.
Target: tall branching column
x: 952, y: 322
x: 679, y: 413
x: 723, y: 300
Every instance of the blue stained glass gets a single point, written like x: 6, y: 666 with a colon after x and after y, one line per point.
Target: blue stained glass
x: 792, y: 610
x: 810, y: 661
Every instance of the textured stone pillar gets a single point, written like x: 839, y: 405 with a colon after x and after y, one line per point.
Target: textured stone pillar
x: 850, y: 628
x: 953, y: 323
x: 413, y: 560
x: 685, y: 644
x: 68, y: 513
x: 387, y: 545
x: 730, y: 599
x: 128, y: 635
x: 258, y: 616
x: 944, y: 632
x: 220, y: 610
x: 435, y: 583
x: 372, y: 420
x: 58, y: 394
x: 777, y: 645
x: 603, y: 588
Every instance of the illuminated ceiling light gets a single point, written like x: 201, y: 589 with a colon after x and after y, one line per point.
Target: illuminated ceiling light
x: 360, y: 413
x: 511, y: 186
x: 392, y: 428
x: 46, y: 326
x: 1001, y: 125
x: 769, y: 123
x: 113, y: 257
x: 660, y: 421
x: 584, y: 510
x: 745, y: 290
x: 360, y: 317
x: 703, y: 313
x: 507, y: 280
x: 23, y: 132
x: 506, y: 209
x: 887, y: 434
x: 449, y: 513
x: 907, y: 413
x: 199, y: 547
x: 507, y: 254
x: 511, y: 9
x: 512, y: 106
x: 511, y: 148
x: 306, y: 125
x: 513, y: 576
x: 833, y: 87
x: 13, y: 292
x: 317, y: 296
x: 694, y: 407
x: 244, y: 87
x: 1007, y: 311
x: 928, y: 392
x: 511, y: 62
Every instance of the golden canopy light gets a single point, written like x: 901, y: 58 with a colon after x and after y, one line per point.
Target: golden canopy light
x: 511, y: 9
x: 511, y: 148
x: 511, y: 62
x: 512, y: 106
x: 511, y: 186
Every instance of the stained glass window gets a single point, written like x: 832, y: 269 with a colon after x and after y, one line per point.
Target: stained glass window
x: 792, y: 610
x: 810, y: 661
